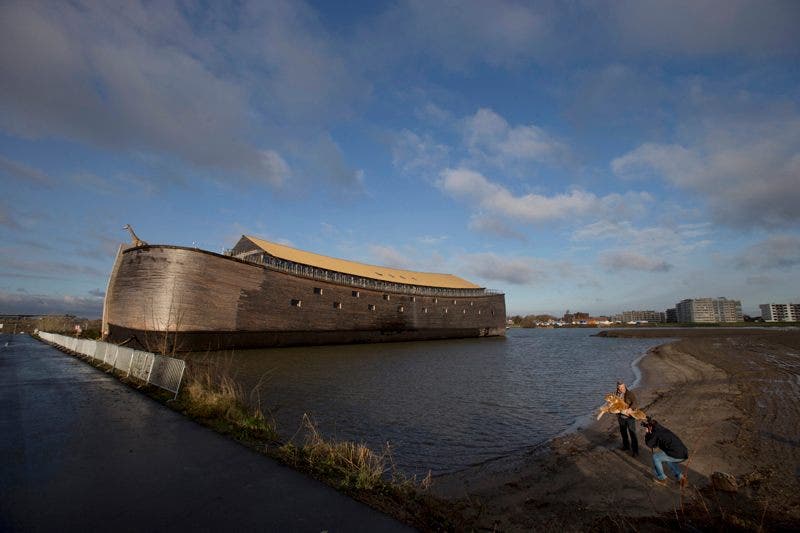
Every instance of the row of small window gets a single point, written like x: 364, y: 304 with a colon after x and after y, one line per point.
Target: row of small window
x: 371, y: 307
x: 357, y: 294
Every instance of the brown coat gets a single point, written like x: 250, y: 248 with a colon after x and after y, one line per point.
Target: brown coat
x: 630, y: 400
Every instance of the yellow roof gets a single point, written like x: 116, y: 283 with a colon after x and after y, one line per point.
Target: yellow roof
x: 392, y: 275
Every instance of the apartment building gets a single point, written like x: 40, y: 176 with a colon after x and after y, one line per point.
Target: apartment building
x: 641, y: 316
x: 710, y: 310
x: 780, y: 312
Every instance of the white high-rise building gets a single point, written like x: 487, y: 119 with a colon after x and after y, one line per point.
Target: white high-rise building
x: 642, y: 316
x: 780, y: 312
x: 710, y: 310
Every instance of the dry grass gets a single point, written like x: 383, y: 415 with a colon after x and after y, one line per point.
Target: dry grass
x: 210, y: 393
x: 355, y: 464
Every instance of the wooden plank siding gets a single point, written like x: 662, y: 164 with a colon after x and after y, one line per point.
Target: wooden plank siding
x: 216, y: 300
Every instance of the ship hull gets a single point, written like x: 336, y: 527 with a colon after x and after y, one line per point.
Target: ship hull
x: 169, y: 298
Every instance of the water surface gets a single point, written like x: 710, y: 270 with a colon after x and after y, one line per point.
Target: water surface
x: 443, y: 405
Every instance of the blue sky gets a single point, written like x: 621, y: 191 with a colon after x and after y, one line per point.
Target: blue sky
x: 595, y: 156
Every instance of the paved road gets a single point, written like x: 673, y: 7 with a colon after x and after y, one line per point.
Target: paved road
x: 81, y: 451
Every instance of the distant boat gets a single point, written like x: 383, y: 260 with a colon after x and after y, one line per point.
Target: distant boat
x: 262, y: 294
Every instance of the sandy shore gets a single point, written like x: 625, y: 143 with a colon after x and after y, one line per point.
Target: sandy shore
x: 733, y: 396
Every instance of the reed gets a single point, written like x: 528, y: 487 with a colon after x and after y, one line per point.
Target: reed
x: 351, y: 464
x: 210, y: 393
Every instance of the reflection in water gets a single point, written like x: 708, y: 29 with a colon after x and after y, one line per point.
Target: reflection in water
x: 443, y: 405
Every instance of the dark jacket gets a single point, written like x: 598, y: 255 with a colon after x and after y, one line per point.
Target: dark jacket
x: 630, y: 399
x: 663, y: 438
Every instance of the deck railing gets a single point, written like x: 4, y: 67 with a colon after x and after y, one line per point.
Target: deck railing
x: 321, y: 274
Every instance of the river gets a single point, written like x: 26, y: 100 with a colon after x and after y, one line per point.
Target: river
x: 442, y: 405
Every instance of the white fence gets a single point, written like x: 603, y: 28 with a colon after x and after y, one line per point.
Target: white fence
x: 159, y: 370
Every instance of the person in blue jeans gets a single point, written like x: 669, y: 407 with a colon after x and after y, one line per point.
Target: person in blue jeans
x: 670, y: 450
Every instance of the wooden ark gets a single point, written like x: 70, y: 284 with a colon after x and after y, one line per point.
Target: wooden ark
x: 262, y: 294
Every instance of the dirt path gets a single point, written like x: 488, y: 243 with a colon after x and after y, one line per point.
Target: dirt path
x: 733, y: 399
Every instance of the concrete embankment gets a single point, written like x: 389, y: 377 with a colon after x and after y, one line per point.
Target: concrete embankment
x: 81, y: 451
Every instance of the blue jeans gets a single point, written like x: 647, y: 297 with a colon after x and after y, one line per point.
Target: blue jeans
x: 661, y: 457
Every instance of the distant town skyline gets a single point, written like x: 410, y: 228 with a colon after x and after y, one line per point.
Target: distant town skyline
x: 597, y: 156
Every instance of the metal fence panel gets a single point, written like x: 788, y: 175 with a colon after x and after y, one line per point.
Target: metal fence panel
x: 102, y: 354
x: 99, y: 350
x: 122, y: 358
x: 162, y: 371
x: 141, y: 365
x: 112, y: 353
x: 167, y: 373
x: 89, y: 348
x: 97, y: 347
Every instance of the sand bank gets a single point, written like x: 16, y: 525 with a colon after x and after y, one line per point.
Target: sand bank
x: 733, y: 396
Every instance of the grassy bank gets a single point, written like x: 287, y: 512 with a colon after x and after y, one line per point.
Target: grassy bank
x: 212, y: 397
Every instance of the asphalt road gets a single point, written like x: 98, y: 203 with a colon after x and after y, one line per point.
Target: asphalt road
x: 81, y: 451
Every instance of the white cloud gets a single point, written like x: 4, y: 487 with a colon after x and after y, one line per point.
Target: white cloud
x: 745, y: 164
x: 533, y: 208
x: 389, y: 256
x: 663, y: 239
x: 418, y: 154
x: 490, y: 136
x: 630, y: 260
x: 275, y: 166
x: 678, y: 163
x: 493, y: 225
x: 517, y: 271
x: 432, y: 113
x: 432, y: 239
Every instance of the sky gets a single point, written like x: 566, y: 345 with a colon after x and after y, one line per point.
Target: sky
x: 585, y: 155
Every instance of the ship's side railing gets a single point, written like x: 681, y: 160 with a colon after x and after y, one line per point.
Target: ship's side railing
x: 153, y: 369
x: 322, y: 274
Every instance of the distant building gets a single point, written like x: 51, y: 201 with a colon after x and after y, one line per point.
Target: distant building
x: 575, y: 318
x: 642, y: 316
x: 780, y: 312
x: 672, y: 315
x: 709, y: 310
